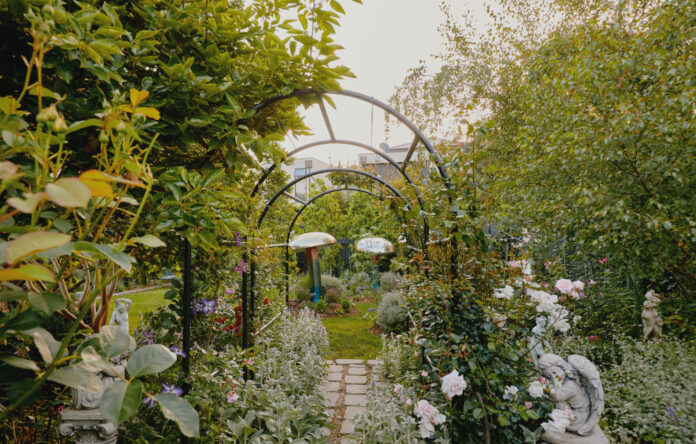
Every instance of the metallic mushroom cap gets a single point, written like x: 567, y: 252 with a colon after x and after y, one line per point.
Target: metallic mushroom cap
x: 313, y: 239
x: 374, y: 245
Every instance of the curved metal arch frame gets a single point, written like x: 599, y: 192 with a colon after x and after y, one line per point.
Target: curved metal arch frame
x: 292, y: 225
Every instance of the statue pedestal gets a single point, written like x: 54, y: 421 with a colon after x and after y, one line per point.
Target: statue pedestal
x: 597, y: 437
x: 89, y: 426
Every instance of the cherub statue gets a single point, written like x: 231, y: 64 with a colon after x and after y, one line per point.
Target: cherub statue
x: 576, y: 386
x: 537, y: 341
x: 119, y: 317
x: 652, y: 323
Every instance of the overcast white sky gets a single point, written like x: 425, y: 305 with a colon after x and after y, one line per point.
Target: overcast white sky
x: 382, y: 40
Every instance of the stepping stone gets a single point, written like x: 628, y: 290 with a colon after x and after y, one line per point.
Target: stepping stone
x: 349, y: 441
x: 355, y: 400
x: 330, y: 412
x: 330, y: 399
x: 335, y: 368
x: 360, y: 371
x: 325, y: 431
x: 353, y: 411
x: 330, y: 386
x: 349, y: 361
x: 356, y: 389
x: 334, y: 377
x: 347, y: 428
x: 353, y: 379
x: 373, y: 362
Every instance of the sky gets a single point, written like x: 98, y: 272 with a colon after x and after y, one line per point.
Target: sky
x: 382, y: 40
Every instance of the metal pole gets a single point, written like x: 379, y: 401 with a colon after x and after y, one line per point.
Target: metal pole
x: 186, y: 302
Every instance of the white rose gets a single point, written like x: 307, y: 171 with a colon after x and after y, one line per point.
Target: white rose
x: 453, y: 384
x: 510, y: 392
x: 535, y: 389
x: 504, y: 293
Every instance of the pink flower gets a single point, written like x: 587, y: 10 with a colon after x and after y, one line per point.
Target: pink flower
x: 229, y: 291
x: 591, y: 282
x: 516, y: 264
x: 232, y: 396
x: 542, y: 380
x: 241, y: 268
x: 528, y: 404
x: 409, y: 403
x: 592, y: 338
x: 578, y: 285
x: 453, y: 384
x: 582, y: 295
x: 565, y: 286
x: 424, y: 374
x: 603, y: 261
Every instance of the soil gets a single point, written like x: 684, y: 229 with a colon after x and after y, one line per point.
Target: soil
x: 335, y: 310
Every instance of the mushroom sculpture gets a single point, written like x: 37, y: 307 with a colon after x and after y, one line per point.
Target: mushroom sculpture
x: 374, y: 246
x: 310, y: 242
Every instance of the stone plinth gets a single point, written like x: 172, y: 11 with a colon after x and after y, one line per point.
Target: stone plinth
x: 88, y: 427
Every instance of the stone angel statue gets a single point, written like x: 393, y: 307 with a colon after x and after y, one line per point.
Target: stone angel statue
x: 576, y: 386
x: 119, y: 317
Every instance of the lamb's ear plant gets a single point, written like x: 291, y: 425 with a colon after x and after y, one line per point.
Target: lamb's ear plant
x: 64, y: 233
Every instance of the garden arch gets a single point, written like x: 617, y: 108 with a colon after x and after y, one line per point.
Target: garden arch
x: 248, y: 277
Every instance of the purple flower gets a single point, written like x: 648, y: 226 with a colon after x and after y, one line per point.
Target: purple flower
x: 147, y: 336
x: 672, y: 413
x: 149, y: 401
x: 241, y: 268
x: 178, y: 391
x: 229, y: 291
x: 204, y: 306
x: 238, y: 240
x: 371, y: 309
x: 177, y: 352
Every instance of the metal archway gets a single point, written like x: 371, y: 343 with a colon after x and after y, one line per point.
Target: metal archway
x: 292, y: 225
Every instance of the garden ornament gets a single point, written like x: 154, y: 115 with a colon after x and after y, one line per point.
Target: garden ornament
x: 576, y: 388
x: 374, y: 246
x: 652, y: 323
x: 119, y: 317
x: 536, y: 340
x: 309, y: 242
x: 85, y: 420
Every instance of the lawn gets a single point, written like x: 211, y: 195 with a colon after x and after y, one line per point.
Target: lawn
x: 143, y: 302
x: 349, y: 337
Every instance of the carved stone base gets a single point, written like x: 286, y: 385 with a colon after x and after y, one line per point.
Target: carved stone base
x: 89, y: 427
x: 597, y: 437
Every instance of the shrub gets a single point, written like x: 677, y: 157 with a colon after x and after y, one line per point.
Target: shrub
x: 321, y: 306
x: 648, y: 388
x: 391, y: 312
x: 345, y: 304
x: 398, y: 360
x: 386, y: 419
x: 332, y: 286
x: 389, y: 281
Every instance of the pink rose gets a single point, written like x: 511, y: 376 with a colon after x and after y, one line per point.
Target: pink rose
x: 528, y: 404
x: 565, y: 286
x: 542, y: 380
x: 578, y: 285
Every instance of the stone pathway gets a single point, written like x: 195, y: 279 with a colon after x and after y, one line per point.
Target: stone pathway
x: 345, y: 390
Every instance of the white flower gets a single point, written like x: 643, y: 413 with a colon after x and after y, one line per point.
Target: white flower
x: 565, y: 286
x: 499, y: 320
x: 504, y: 293
x: 546, y: 302
x: 453, y: 384
x: 560, y: 420
x: 510, y: 392
x: 578, y: 285
x: 399, y: 390
x: 429, y: 418
x: 558, y: 319
x: 535, y: 389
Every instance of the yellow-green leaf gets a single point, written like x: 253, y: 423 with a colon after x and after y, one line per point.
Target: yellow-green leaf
x: 137, y: 97
x: 7, y: 170
x: 148, y: 111
x: 69, y: 193
x: 32, y: 243
x: 29, y: 272
x: 149, y: 241
x: 28, y: 204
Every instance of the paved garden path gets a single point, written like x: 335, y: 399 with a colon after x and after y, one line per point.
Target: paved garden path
x: 345, y: 390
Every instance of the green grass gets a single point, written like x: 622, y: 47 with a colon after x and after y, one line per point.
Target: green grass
x: 143, y: 302
x: 349, y: 337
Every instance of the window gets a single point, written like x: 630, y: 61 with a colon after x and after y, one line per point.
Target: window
x: 299, y: 172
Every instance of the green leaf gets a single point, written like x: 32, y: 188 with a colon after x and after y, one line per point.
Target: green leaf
x: 212, y: 177
x: 76, y: 377
x: 120, y: 400
x: 9, y: 296
x: 26, y: 364
x: 180, y: 411
x: 337, y: 6
x: 149, y: 241
x: 23, y: 322
x: 69, y: 193
x: 94, y: 362
x: 32, y: 243
x: 114, y: 340
x: 152, y: 358
x: 503, y: 420
x: 46, y: 302
x: 45, y: 343
x: 123, y: 260
x: 478, y: 413
x: 31, y: 272
x: 28, y: 204
x: 76, y: 126
x: 208, y: 239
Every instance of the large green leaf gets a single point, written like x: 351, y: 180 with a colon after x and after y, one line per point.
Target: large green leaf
x: 152, y: 358
x: 46, y: 302
x: 12, y: 295
x: 45, y: 343
x: 15, y: 361
x: 69, y: 193
x: 120, y: 400
x: 114, y: 340
x: 149, y: 241
x: 28, y: 272
x: 180, y: 411
x: 123, y: 260
x: 76, y: 377
x: 28, y: 204
x: 94, y: 362
x: 32, y: 243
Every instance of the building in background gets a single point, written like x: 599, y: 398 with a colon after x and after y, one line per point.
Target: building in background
x: 301, y: 166
x: 379, y: 166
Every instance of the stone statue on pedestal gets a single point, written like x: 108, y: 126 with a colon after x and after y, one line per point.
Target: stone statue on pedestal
x: 576, y: 389
x: 119, y: 317
x: 652, y: 323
